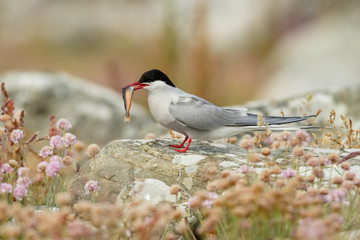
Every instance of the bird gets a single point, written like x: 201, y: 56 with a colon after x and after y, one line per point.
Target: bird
x: 194, y: 117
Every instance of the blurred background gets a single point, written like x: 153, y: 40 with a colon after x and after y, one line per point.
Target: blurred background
x: 228, y: 52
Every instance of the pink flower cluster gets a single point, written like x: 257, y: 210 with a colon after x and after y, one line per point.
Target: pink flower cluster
x: 288, y: 173
x: 69, y: 139
x: 211, y: 197
x: 46, y: 151
x: 5, y: 188
x: 335, y: 195
x: 91, y: 186
x: 245, y: 169
x: 53, y: 167
x: 303, y: 137
x: 5, y: 168
x: 22, y: 183
x: 63, y: 124
x: 56, y: 142
x: 16, y: 135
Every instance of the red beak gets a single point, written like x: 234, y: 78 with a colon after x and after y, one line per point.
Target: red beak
x: 138, y: 85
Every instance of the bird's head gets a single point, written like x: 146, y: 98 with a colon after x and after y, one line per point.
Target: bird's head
x: 152, y: 79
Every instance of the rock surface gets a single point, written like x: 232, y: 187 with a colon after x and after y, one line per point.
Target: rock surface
x: 344, y: 100
x: 95, y: 112
x: 147, y: 168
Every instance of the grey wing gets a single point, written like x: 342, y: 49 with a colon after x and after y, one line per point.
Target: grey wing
x: 197, y: 113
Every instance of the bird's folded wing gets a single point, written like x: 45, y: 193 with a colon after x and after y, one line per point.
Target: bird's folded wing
x: 197, y: 113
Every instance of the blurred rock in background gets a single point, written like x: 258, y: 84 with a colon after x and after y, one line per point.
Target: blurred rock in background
x: 95, y: 112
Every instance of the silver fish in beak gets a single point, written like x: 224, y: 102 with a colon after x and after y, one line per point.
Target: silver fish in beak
x: 127, y: 94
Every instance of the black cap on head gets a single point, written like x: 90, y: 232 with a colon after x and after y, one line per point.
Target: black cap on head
x: 155, y: 75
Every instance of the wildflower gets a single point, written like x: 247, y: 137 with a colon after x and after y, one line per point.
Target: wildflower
x: 288, y: 173
x: 265, y: 151
x: 193, y: 202
x: 269, y: 140
x: 16, y: 135
x: 78, y: 229
x: 5, y: 168
x: 20, y: 192
x: 53, y: 167
x: 245, y: 169
x: 337, y: 180
x: 303, y: 137
x: 345, y: 166
x: 23, y: 171
x: 298, y: 152
x: 69, y: 139
x: 350, y: 176
x: 24, y: 181
x: 63, y: 124
x: 5, y: 188
x: 63, y: 198
x: 311, y: 229
x: 92, y: 150
x: 211, y: 197
x: 247, y: 144
x: 255, y: 158
x: 55, y: 158
x: 42, y: 166
x: 46, y: 151
x: 333, y: 157
x: 67, y: 160
x: 285, y: 136
x: 175, y: 189
x: 335, y: 195
x: 79, y: 146
x: 13, y: 163
x: 348, y: 185
x: 91, y: 187
x: 56, y: 142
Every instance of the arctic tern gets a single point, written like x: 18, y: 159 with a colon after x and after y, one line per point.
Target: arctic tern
x: 193, y: 116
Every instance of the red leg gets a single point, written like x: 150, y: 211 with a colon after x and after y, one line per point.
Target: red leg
x: 181, y: 145
x: 186, y: 148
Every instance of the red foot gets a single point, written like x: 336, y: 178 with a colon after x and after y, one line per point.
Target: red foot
x: 181, y: 145
x: 184, y: 149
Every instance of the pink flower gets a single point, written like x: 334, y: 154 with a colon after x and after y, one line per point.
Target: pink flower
x: 211, y: 196
x: 245, y: 169
x: 20, y: 191
x: 46, y: 151
x: 303, y: 136
x: 53, y: 167
x: 24, y: 181
x: 63, y: 124
x: 55, y: 158
x: 56, y: 142
x: 335, y: 195
x: 16, y: 135
x: 288, y: 173
x: 69, y: 139
x: 269, y: 140
x: 6, y: 168
x: 42, y: 166
x: 91, y: 186
x: 285, y: 136
x: 5, y: 188
x: 23, y: 171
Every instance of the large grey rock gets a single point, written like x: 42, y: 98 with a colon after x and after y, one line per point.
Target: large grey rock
x: 147, y: 168
x: 96, y: 112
